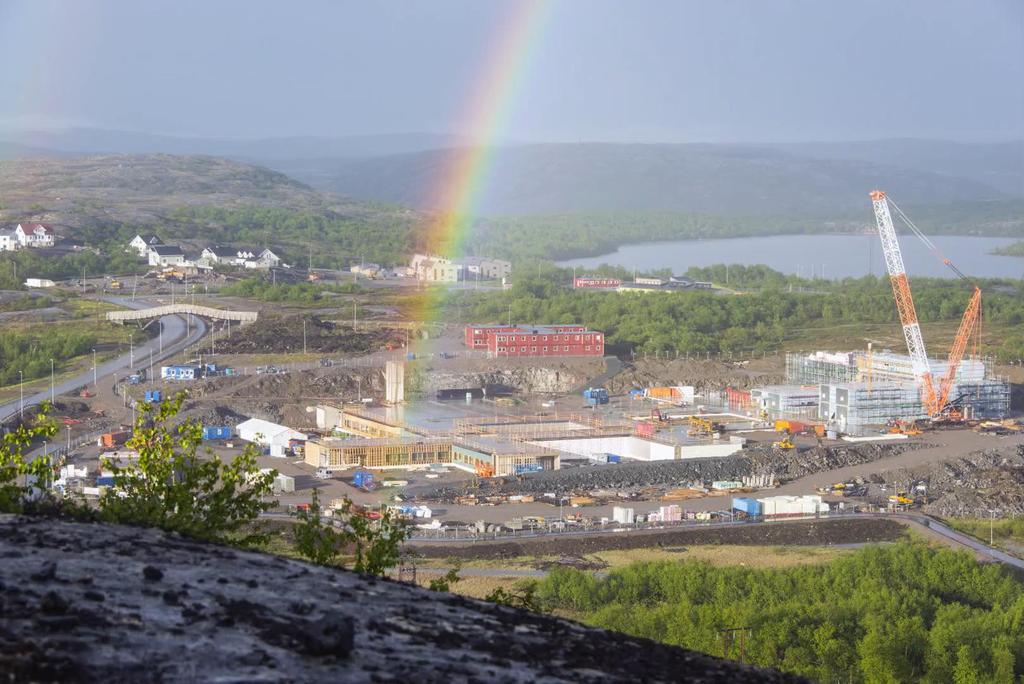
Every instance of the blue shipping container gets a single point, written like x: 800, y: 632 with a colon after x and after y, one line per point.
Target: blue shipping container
x: 104, y: 481
x: 752, y: 507
x: 153, y: 395
x: 362, y: 479
x: 614, y: 458
x: 220, y: 432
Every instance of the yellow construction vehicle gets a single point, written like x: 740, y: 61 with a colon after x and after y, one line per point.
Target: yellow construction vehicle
x: 785, y: 443
x: 114, y: 285
x: 704, y: 427
x: 901, y: 499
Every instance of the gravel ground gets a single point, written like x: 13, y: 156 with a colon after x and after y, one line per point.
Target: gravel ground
x: 632, y: 477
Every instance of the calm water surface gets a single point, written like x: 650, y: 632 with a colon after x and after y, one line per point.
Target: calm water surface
x: 834, y: 256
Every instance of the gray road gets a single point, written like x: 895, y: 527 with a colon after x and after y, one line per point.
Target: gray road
x: 174, y: 340
x: 964, y: 540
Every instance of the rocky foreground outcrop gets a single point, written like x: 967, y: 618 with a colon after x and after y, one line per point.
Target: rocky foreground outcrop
x: 89, y: 602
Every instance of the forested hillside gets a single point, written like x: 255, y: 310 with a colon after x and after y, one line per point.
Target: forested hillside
x: 730, y: 180
x: 903, y: 613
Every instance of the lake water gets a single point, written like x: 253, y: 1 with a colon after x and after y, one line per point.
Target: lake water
x: 834, y: 256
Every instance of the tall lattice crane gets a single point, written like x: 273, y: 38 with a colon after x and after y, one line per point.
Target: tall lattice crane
x: 935, y: 401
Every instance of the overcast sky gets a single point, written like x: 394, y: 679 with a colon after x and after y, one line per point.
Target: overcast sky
x: 672, y: 70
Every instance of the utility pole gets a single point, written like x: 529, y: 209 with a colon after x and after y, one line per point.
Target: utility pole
x: 353, y: 315
x: 95, y: 385
x: 304, y: 335
x: 151, y: 364
x: 21, y: 395
x: 131, y: 352
x: 161, y: 335
x: 51, y: 383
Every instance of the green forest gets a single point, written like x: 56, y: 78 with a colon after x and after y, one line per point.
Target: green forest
x: 899, y: 613
x: 1012, y: 249
x: 326, y: 238
x: 772, y: 311
x: 296, y: 293
x: 564, y: 236
x: 31, y: 354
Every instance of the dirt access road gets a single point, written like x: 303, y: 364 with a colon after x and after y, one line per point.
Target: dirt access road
x: 942, y: 445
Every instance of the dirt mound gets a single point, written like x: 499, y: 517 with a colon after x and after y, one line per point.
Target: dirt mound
x: 809, y: 533
x: 629, y: 478
x: 283, y: 334
x: 970, y: 486
x: 701, y: 374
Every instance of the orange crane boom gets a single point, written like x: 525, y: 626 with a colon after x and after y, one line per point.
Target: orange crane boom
x: 935, y: 401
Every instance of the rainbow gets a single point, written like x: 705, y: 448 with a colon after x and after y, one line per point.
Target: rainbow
x: 486, y: 114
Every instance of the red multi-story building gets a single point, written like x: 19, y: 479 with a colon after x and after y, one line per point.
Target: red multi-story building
x: 476, y: 335
x: 548, y: 340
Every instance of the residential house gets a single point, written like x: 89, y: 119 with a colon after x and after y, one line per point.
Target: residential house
x: 8, y: 241
x: 443, y: 269
x: 34, y: 234
x: 367, y: 270
x: 166, y: 255
x: 230, y: 256
x: 265, y: 259
x: 142, y: 244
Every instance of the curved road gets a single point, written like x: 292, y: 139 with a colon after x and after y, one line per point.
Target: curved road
x: 175, y: 340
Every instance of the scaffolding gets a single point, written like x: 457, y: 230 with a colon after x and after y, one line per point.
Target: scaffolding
x: 821, y: 368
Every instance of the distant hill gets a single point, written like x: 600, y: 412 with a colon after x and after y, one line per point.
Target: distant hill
x: 717, y: 179
x: 999, y: 165
x: 198, y: 200
x: 92, y: 141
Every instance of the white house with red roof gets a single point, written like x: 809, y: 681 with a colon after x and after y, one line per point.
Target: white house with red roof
x: 34, y: 234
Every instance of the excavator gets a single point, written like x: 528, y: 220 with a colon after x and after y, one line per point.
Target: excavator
x: 934, y: 398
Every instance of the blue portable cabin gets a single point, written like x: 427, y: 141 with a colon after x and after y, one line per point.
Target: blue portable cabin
x: 595, y: 396
x: 613, y: 458
x: 182, y: 372
x: 216, y: 432
x: 153, y: 396
x: 363, y: 480
x: 751, y: 507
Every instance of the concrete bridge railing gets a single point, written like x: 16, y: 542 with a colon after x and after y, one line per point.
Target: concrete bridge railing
x: 242, y: 317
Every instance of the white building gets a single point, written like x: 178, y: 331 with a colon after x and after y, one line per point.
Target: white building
x: 793, y: 506
x: 34, y: 234
x: 166, y: 255
x: 623, y: 515
x: 484, y: 268
x: 267, y: 434
x: 268, y: 259
x: 444, y: 270
x: 230, y: 256
x: 8, y: 241
x: 142, y: 244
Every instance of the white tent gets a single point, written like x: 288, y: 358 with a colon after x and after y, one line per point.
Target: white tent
x: 265, y: 433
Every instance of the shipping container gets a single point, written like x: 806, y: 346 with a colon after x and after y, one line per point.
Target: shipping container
x: 217, y: 432
x: 751, y: 507
x: 153, y: 396
x: 595, y: 396
x: 363, y: 480
x: 112, y: 439
x: 528, y: 468
x: 613, y: 458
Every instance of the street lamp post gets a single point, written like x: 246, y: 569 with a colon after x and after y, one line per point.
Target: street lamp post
x: 68, y: 428
x: 21, y: 394
x: 95, y: 384
x: 131, y: 352
x: 51, y: 382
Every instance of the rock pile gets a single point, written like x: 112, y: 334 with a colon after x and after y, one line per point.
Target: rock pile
x: 85, y: 602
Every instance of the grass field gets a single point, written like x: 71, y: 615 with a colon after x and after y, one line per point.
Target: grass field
x: 1006, y: 533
